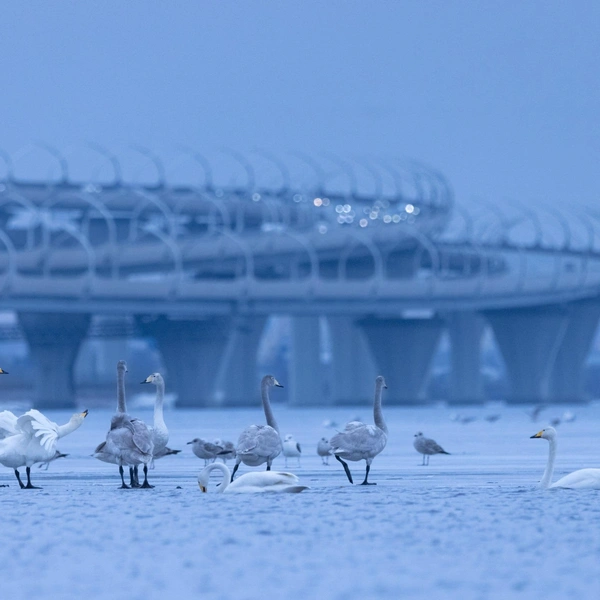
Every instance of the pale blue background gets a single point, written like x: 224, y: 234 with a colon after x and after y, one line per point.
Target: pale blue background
x: 503, y: 97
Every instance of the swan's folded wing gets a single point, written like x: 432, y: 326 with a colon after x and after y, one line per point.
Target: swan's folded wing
x: 141, y: 436
x: 35, y: 423
x: 8, y: 424
x: 262, y: 440
x: 366, y: 438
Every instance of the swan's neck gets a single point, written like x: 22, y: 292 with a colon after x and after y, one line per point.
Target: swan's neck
x: 226, y: 475
x: 121, y: 408
x: 68, y: 428
x: 377, y: 413
x: 547, y: 478
x: 264, y: 391
x: 159, y: 421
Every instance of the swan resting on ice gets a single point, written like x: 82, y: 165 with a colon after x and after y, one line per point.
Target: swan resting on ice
x: 251, y: 483
x: 581, y: 479
x: 360, y: 441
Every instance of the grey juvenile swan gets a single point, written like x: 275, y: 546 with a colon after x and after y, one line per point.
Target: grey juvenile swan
x: 258, y: 444
x: 129, y: 441
x: 360, y: 441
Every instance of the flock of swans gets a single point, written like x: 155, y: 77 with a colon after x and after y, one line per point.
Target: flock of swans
x: 32, y: 438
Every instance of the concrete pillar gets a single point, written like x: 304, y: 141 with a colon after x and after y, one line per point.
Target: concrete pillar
x: 466, y: 383
x: 403, y: 350
x: 567, y: 377
x: 305, y: 370
x: 352, y: 365
x: 238, y: 382
x: 192, y: 351
x: 54, y: 340
x: 529, y: 339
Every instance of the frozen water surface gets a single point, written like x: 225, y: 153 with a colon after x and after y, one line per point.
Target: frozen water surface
x: 471, y: 525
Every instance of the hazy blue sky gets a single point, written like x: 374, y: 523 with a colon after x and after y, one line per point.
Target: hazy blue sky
x: 503, y: 97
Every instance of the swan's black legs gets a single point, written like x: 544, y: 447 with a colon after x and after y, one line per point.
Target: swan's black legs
x: 348, y: 474
x: 29, y: 486
x: 235, y: 468
x: 134, y: 482
x: 269, y: 465
x: 365, y: 482
x: 124, y: 486
x: 19, y: 479
x: 146, y: 484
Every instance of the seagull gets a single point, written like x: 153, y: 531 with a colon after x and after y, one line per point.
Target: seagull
x: 324, y: 450
x: 427, y: 447
x: 291, y: 448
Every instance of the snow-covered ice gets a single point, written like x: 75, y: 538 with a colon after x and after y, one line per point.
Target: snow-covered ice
x: 471, y: 525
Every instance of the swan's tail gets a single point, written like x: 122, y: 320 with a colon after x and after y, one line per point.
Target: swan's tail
x: 296, y: 489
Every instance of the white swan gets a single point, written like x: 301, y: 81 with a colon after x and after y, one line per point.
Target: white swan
x: 264, y: 481
x: 581, y: 479
x: 291, y: 448
x: 324, y: 450
x: 159, y: 431
x: 129, y: 441
x: 258, y: 444
x: 427, y: 447
x: 360, y: 441
x: 34, y: 441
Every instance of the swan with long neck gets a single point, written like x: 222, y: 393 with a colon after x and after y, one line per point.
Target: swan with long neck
x: 260, y: 444
x: 360, y: 441
x: 159, y: 431
x: 264, y: 481
x: 581, y: 479
x: 129, y: 441
x: 34, y: 442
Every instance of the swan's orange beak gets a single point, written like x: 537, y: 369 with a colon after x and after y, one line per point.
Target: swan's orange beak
x: 537, y: 435
x: 202, y: 487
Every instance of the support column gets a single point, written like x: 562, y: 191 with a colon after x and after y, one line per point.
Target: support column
x: 466, y: 383
x: 567, y: 376
x: 529, y: 339
x: 403, y: 350
x: 238, y: 382
x: 353, y: 365
x: 305, y: 369
x: 54, y: 340
x: 192, y: 351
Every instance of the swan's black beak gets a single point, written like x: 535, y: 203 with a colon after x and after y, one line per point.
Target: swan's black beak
x: 145, y: 381
x: 85, y: 413
x: 189, y: 443
x: 202, y: 487
x: 3, y: 372
x: 537, y: 435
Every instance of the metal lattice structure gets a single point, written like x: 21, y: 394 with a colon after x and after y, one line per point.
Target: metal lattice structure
x: 310, y: 235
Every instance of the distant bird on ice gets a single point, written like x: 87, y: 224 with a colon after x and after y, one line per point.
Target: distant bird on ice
x: 360, y: 441
x: 324, y: 450
x: 427, y: 447
x: 227, y: 449
x: 206, y: 450
x: 291, y: 448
